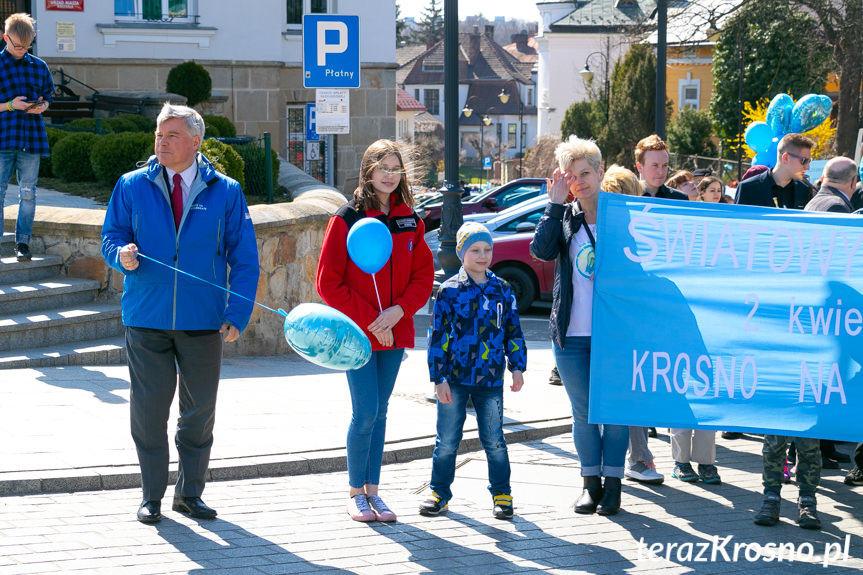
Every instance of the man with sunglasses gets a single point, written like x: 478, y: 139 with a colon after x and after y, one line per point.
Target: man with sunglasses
x: 25, y: 87
x: 782, y: 186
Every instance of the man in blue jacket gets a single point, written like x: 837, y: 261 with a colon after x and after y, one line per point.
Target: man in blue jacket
x: 180, y: 211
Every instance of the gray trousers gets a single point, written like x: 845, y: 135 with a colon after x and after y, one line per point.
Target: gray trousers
x: 155, y: 358
x: 638, y: 450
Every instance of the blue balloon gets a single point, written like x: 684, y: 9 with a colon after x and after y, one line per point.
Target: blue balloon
x: 779, y: 114
x: 327, y: 337
x: 809, y: 112
x: 860, y: 170
x: 370, y: 244
x: 758, y: 136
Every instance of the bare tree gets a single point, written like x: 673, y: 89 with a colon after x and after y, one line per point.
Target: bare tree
x: 539, y: 159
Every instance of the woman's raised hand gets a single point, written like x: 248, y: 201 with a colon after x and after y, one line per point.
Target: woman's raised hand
x: 558, y: 186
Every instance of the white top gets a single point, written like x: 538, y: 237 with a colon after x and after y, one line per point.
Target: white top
x: 188, y: 176
x: 583, y: 264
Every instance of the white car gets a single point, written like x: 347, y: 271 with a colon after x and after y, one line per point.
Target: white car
x: 519, y: 218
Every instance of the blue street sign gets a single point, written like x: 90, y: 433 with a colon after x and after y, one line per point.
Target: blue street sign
x: 486, y: 162
x: 331, y: 51
x: 311, y: 124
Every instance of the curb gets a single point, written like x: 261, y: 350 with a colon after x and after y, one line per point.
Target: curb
x: 280, y: 465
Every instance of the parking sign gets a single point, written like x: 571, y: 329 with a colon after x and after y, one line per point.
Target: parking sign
x: 331, y: 51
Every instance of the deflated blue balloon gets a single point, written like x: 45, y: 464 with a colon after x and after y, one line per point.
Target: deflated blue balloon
x: 809, y: 112
x: 758, y: 136
x: 327, y: 337
x: 370, y: 244
x: 779, y: 114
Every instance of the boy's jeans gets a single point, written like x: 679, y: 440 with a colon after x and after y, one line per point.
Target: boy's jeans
x: 27, y: 173
x: 488, y: 403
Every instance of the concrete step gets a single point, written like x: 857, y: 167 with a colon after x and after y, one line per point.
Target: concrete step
x: 108, y: 351
x: 52, y: 293
x: 46, y: 328
x: 39, y: 268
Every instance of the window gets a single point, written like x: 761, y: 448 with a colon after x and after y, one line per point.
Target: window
x: 155, y: 10
x: 417, y: 94
x: 511, y: 130
x: 431, y: 100
x: 689, y: 92
x: 530, y: 96
x: 296, y: 9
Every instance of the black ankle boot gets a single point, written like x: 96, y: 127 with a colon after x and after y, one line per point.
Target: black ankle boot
x: 590, y: 496
x: 610, y: 502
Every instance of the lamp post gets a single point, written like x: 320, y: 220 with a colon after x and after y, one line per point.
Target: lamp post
x: 504, y: 98
x: 451, y: 215
x: 587, y: 76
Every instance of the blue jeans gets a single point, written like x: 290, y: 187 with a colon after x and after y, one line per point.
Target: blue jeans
x: 488, y: 403
x: 371, y: 387
x: 601, y: 448
x: 27, y: 172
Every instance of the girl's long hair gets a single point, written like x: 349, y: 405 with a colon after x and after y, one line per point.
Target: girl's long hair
x: 364, y: 195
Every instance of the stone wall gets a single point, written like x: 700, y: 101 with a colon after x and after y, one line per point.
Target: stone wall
x: 289, y: 243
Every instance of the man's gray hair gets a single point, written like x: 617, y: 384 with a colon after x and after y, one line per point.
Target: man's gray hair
x: 841, y: 169
x: 193, y: 120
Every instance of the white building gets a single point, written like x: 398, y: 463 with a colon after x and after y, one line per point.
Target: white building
x: 252, y: 50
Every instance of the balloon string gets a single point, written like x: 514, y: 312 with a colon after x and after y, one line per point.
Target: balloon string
x: 280, y: 311
x: 377, y: 293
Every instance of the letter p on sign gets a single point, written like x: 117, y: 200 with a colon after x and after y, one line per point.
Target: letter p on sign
x: 341, y: 32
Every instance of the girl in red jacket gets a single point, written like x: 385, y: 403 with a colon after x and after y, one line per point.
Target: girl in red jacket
x: 404, y: 285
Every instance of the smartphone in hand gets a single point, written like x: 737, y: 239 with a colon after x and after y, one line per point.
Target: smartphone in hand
x: 33, y: 105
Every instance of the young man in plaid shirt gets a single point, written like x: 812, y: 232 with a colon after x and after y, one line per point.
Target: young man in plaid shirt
x: 25, y: 87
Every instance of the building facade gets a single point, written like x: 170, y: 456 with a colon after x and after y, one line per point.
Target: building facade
x: 253, y: 52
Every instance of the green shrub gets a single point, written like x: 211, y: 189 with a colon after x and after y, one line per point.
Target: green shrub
x: 191, y: 80
x: 143, y: 123
x: 115, y: 154
x: 54, y: 136
x: 70, y: 158
x: 211, y: 131
x: 223, y: 126
x: 225, y: 159
x: 118, y: 124
x: 87, y: 123
x: 253, y: 158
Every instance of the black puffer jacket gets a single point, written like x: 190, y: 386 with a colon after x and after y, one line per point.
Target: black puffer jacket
x: 551, y: 240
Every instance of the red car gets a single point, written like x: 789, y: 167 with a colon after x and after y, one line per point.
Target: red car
x: 494, y: 200
x: 531, y: 279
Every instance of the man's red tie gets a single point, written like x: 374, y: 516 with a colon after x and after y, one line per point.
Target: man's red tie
x: 177, y: 200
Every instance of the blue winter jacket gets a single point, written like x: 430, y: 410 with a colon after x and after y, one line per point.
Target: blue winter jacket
x: 216, y: 232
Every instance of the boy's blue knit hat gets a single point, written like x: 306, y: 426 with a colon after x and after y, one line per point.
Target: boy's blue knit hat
x: 468, y: 234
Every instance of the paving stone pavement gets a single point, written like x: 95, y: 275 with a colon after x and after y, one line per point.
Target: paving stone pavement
x: 299, y: 525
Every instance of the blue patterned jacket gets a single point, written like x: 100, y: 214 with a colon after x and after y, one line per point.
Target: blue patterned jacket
x: 474, y: 331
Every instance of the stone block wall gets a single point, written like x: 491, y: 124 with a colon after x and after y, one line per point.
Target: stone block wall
x: 289, y: 237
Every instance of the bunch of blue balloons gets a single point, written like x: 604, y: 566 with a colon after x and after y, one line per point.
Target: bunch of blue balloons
x: 325, y: 336
x: 785, y: 117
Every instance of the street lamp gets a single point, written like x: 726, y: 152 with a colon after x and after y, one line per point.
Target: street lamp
x: 504, y: 98
x: 587, y: 76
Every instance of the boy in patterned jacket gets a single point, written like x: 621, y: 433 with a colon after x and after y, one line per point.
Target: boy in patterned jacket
x: 475, y: 335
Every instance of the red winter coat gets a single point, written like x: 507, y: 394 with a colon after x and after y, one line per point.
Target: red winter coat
x: 405, y: 280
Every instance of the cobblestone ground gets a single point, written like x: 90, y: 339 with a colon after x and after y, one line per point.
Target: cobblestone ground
x: 298, y: 525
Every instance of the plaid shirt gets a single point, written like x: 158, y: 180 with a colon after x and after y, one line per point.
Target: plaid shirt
x: 28, y: 77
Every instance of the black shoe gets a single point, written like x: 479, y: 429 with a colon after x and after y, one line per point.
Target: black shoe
x: 651, y: 432
x: 554, y: 378
x: 610, y: 502
x: 769, y: 512
x: 591, y: 495
x: 731, y: 435
x: 828, y: 464
x: 854, y: 477
x: 807, y: 514
x: 837, y: 456
x: 22, y: 251
x: 193, y: 507
x: 150, y: 512
x: 502, y: 508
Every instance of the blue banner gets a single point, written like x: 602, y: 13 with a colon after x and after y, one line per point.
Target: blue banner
x: 718, y: 316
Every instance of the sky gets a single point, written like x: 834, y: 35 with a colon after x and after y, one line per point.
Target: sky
x: 521, y: 9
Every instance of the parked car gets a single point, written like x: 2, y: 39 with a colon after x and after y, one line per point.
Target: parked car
x: 531, y: 279
x: 494, y: 200
x: 519, y: 218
